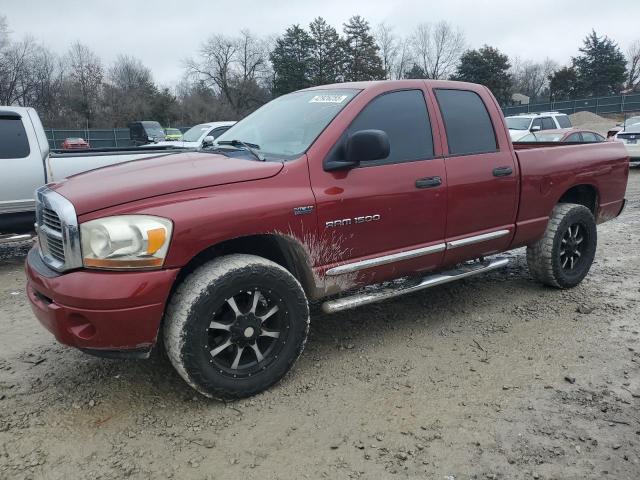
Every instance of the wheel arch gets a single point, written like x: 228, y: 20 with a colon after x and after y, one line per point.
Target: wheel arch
x: 582, y: 194
x: 285, y: 250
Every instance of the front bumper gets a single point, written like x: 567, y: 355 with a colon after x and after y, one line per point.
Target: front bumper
x: 101, y: 311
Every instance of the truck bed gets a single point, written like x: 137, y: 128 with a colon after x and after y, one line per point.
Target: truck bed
x: 549, y: 170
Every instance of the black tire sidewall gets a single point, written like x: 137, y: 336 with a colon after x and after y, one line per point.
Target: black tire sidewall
x: 195, y: 350
x: 584, y: 217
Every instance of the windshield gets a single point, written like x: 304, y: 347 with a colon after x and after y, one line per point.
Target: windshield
x: 518, y: 123
x: 541, y: 137
x: 631, y: 121
x: 549, y: 137
x: 287, y: 126
x: 194, y: 133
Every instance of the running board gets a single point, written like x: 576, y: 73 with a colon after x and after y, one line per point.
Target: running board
x: 14, y: 238
x: 402, y: 287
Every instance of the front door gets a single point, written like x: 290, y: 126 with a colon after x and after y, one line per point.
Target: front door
x: 387, y: 217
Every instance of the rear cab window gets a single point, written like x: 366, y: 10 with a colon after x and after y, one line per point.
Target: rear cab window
x: 13, y: 137
x: 403, y: 116
x: 467, y: 122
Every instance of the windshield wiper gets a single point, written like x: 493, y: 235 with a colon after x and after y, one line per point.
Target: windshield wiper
x: 250, y: 147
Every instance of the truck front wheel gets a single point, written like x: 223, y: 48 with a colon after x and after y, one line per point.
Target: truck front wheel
x: 563, y: 256
x: 236, y: 325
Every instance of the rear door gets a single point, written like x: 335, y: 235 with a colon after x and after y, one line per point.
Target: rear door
x: 482, y: 176
x: 387, y: 217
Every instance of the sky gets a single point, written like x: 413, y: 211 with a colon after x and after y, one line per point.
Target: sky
x: 163, y: 33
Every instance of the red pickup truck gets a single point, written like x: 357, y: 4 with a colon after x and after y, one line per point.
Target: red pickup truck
x: 312, y: 197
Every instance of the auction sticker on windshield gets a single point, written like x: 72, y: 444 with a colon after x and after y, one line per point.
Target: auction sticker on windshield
x: 329, y: 99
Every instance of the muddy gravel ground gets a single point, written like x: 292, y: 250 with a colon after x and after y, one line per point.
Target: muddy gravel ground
x: 495, y: 377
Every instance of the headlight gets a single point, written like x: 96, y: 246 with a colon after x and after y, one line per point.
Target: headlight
x: 125, y: 242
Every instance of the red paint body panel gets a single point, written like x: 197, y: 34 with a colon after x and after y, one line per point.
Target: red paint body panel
x: 101, y: 310
x: 212, y: 199
x: 130, y: 181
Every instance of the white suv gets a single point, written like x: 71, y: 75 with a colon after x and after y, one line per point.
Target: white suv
x: 521, y: 125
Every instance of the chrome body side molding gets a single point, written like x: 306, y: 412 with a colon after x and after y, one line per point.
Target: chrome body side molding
x: 463, y: 242
x: 418, y: 252
x: 394, y: 257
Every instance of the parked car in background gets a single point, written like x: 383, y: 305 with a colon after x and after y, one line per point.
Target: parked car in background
x: 74, y: 143
x: 318, y: 196
x: 143, y: 133
x: 172, y: 134
x: 521, y: 125
x: 201, y: 135
x: 628, y: 122
x: 563, y: 135
x: 28, y: 164
x: 630, y: 137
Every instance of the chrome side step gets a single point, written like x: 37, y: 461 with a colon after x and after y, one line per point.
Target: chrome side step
x: 10, y: 238
x: 401, y: 287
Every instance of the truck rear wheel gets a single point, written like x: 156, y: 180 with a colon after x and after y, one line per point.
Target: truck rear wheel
x: 563, y: 256
x: 236, y: 325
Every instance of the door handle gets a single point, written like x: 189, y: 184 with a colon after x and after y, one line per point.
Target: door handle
x: 428, y: 182
x: 502, y: 171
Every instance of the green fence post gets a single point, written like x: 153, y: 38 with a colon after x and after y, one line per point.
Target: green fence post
x: 115, y: 137
x: 622, y: 104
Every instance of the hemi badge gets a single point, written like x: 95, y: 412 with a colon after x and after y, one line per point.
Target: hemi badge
x: 303, y: 210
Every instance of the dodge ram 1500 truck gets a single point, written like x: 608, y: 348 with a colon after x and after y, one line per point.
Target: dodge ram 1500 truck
x: 395, y: 186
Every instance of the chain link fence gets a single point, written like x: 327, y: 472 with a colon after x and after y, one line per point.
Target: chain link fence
x: 97, y: 137
x: 598, y: 105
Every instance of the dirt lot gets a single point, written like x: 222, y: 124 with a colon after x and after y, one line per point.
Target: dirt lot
x: 494, y: 377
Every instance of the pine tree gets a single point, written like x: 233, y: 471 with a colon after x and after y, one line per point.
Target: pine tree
x: 361, y: 52
x: 486, y: 66
x: 327, y: 53
x: 563, y: 84
x: 416, y: 72
x: 291, y: 60
x: 601, y: 69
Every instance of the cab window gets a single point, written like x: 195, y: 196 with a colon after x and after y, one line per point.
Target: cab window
x: 403, y: 116
x: 466, y: 121
x: 591, y: 137
x: 574, y: 137
x: 548, y: 123
x: 13, y: 138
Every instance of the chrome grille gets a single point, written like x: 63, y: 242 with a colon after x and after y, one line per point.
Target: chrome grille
x: 57, y: 228
x: 51, y: 219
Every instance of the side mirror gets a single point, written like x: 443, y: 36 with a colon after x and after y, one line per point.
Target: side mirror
x: 207, y: 141
x: 535, y: 128
x: 366, y: 146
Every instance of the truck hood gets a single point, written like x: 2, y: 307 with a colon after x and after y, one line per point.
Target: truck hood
x: 139, y: 179
x: 518, y: 134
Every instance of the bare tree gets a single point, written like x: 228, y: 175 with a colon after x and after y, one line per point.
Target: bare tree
x: 47, y: 73
x: 16, y: 62
x: 388, y: 48
x: 437, y: 48
x: 85, y: 75
x: 405, y: 58
x: 128, y: 73
x: 235, y: 67
x: 4, y: 32
x: 633, y: 66
x: 532, y: 78
x: 129, y: 91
